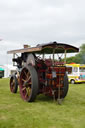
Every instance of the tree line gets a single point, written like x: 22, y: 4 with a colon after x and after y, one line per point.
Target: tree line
x: 78, y: 58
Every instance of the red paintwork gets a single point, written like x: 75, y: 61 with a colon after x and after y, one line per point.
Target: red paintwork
x: 46, y: 81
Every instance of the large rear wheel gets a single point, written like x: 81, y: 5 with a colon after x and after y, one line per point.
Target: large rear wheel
x: 28, y: 83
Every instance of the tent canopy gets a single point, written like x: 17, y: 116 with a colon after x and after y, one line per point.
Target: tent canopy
x: 1, y: 69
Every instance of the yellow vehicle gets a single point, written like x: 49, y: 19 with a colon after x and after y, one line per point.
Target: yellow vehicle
x: 76, y: 73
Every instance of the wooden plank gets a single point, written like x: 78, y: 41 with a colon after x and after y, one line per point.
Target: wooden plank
x: 33, y: 49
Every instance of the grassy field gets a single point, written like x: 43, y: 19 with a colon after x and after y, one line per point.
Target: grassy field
x: 44, y: 112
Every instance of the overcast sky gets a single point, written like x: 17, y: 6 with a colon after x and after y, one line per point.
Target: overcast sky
x: 40, y: 21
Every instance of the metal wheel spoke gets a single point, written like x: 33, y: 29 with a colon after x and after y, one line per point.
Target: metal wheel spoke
x: 12, y: 84
x: 23, y: 80
x: 29, y: 78
x: 23, y: 88
x: 25, y: 73
x: 28, y: 75
x: 13, y: 87
x: 29, y: 90
x: 30, y: 83
x: 26, y: 95
x: 24, y: 84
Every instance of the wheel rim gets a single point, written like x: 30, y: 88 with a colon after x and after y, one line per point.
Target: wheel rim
x: 25, y: 84
x: 12, y: 84
x: 72, y: 81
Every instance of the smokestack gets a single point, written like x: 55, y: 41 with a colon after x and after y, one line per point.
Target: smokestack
x: 26, y: 46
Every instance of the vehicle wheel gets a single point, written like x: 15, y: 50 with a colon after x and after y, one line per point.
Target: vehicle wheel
x: 66, y: 86
x: 28, y: 83
x: 72, y: 81
x: 13, y: 84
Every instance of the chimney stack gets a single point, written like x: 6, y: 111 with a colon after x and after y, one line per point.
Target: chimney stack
x: 26, y: 46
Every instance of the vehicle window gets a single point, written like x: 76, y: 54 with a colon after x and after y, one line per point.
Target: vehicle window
x: 75, y: 69
x: 81, y: 69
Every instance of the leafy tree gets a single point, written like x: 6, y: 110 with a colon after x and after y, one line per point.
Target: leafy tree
x: 70, y: 59
x: 82, y: 48
x: 78, y: 58
x: 82, y: 53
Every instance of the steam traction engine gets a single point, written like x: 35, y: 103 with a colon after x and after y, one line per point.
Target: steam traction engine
x: 35, y: 74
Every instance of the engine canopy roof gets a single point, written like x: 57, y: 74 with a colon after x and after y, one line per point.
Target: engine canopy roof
x: 47, y: 48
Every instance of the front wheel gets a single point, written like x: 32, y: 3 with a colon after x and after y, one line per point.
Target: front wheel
x: 13, y: 84
x: 72, y: 81
x: 28, y: 83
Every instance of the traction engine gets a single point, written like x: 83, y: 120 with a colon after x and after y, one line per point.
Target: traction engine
x: 36, y: 75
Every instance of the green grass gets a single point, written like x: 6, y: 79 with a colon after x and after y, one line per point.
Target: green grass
x: 44, y: 112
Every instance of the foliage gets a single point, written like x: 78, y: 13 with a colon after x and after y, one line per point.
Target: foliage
x: 82, y: 53
x: 44, y: 112
x: 70, y: 59
x: 82, y: 48
x: 78, y: 58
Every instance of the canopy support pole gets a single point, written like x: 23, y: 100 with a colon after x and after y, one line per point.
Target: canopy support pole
x: 43, y: 56
x: 53, y: 56
x: 65, y: 57
x: 13, y: 58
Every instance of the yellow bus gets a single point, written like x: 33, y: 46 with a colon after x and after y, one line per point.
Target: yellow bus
x: 76, y: 73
